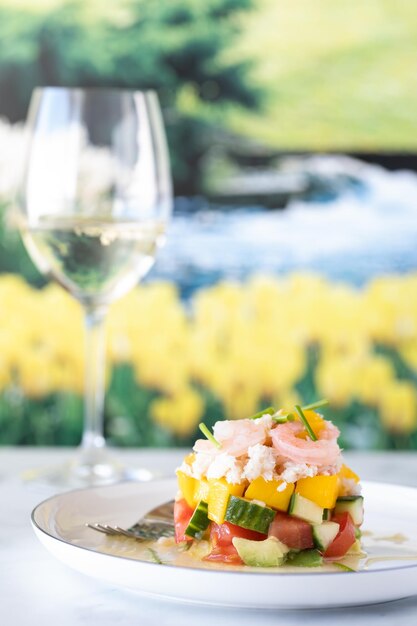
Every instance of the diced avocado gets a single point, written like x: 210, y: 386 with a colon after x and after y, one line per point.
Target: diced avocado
x: 267, y: 553
x: 343, y: 567
x: 323, y: 534
x: 305, y: 558
x: 352, y: 505
x: 305, y: 509
x: 355, y: 548
x: 249, y: 515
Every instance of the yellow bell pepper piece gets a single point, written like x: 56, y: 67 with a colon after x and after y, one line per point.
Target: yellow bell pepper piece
x: 346, y: 472
x: 323, y: 490
x: 187, y: 485
x: 219, y: 492
x: 315, y: 420
x: 201, y: 491
x: 267, y: 491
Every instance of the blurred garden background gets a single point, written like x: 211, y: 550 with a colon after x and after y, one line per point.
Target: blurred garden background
x: 290, y: 269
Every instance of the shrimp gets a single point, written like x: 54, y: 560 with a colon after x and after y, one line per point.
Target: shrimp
x: 323, y: 452
x: 235, y: 437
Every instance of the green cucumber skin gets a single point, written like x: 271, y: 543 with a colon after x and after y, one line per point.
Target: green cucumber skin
x: 249, y: 515
x: 324, y: 534
x: 327, y: 513
x: 352, y: 505
x: 298, y: 502
x: 199, y: 520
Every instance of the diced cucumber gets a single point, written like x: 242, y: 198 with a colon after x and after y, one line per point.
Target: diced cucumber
x: 305, y: 509
x: 323, y: 534
x: 267, y: 553
x: 352, y: 505
x: 249, y: 515
x: 199, y: 520
x: 305, y: 558
x: 327, y: 513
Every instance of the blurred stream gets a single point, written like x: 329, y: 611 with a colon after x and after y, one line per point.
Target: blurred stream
x: 362, y: 222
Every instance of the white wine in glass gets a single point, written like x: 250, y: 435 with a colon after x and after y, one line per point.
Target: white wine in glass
x: 94, y: 202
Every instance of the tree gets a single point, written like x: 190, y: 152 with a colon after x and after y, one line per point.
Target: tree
x: 177, y: 47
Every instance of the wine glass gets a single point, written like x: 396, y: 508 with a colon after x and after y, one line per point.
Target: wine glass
x: 94, y: 203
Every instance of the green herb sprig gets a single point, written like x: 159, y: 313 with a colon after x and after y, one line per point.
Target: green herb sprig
x: 315, y: 405
x: 206, y: 432
x: 269, y: 411
x: 303, y: 418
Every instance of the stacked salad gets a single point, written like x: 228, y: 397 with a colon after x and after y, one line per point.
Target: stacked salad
x: 270, y: 490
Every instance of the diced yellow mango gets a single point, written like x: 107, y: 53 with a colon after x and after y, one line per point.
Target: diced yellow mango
x: 323, y: 490
x: 219, y: 492
x: 201, y: 491
x: 268, y: 491
x: 315, y: 420
x: 346, y: 472
x: 186, y: 484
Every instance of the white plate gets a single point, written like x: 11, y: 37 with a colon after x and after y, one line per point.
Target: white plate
x: 60, y: 522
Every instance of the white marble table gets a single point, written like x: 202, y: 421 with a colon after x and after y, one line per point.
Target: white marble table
x: 37, y: 589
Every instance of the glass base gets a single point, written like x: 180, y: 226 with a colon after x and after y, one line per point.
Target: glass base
x: 89, y: 468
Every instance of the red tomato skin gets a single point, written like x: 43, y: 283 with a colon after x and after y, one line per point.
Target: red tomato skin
x: 294, y: 532
x: 224, y: 554
x: 344, y: 539
x: 182, y: 516
x: 222, y: 534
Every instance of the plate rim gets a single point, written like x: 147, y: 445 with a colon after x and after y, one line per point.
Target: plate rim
x: 207, y: 571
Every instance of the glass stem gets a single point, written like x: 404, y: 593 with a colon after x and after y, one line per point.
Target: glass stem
x: 95, y: 368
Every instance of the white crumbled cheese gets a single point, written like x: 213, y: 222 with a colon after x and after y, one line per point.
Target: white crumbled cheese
x: 225, y: 465
x: 350, y: 487
x: 329, y: 470
x: 201, y: 465
x: 282, y: 486
x: 294, y: 471
x: 185, y: 468
x: 261, y: 462
x: 245, y: 454
x: 266, y: 421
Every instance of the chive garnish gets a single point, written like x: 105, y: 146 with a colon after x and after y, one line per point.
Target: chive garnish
x: 208, y: 434
x: 305, y: 422
x: 154, y: 555
x: 315, y: 405
x: 283, y: 419
x: 269, y: 411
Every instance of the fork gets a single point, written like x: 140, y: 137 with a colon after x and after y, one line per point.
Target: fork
x: 159, y: 522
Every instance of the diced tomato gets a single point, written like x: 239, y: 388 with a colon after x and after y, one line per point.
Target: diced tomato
x: 294, y: 532
x: 224, y: 554
x: 344, y: 539
x: 222, y: 534
x: 182, y: 516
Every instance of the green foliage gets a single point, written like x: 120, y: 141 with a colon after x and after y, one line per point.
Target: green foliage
x: 166, y: 46
x: 13, y: 255
x: 338, y: 75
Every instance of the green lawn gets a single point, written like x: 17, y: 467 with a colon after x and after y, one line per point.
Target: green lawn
x: 337, y: 74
